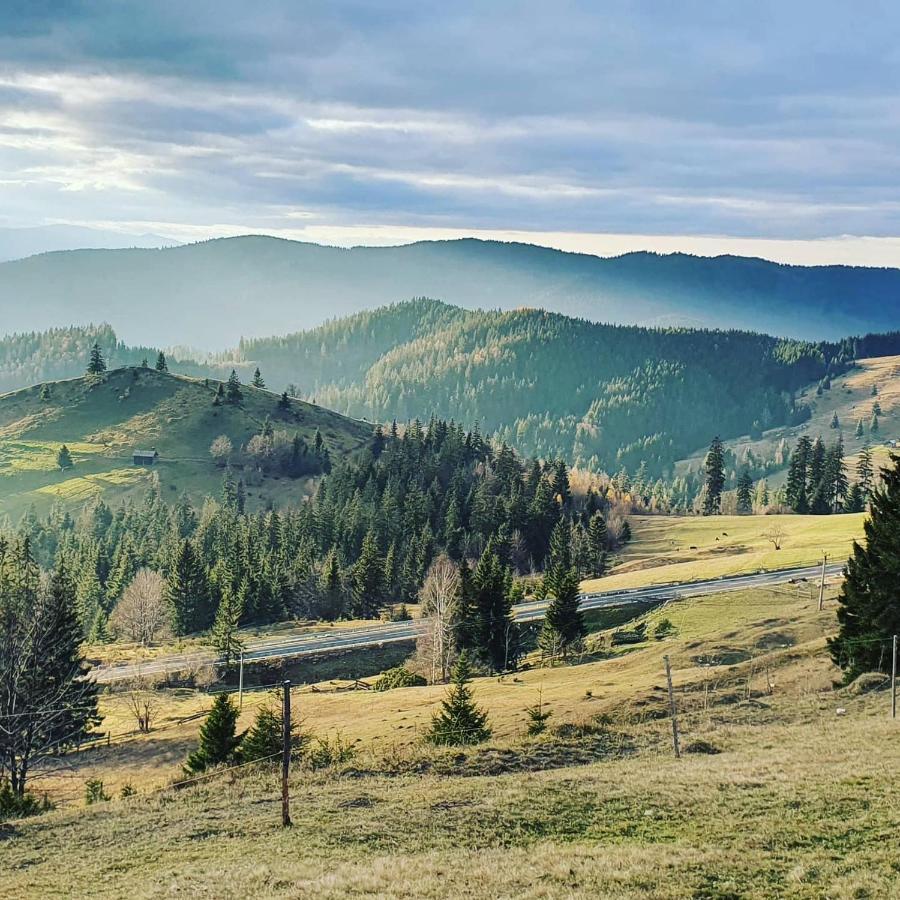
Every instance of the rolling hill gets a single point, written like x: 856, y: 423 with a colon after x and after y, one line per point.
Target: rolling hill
x: 103, y: 420
x: 210, y: 294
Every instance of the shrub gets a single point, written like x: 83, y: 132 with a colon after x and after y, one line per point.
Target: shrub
x: 93, y: 791
x: 663, y: 629
x: 12, y: 806
x: 325, y: 753
x: 397, y: 678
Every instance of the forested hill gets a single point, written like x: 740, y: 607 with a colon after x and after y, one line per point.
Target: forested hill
x: 600, y: 395
x: 209, y: 294
x: 553, y: 386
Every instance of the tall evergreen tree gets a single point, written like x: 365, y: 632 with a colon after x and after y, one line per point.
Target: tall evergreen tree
x: 233, y: 388
x: 64, y: 458
x: 745, y: 491
x: 161, y: 363
x: 869, y: 605
x: 225, y: 636
x: 367, y: 577
x: 864, y: 471
x: 218, y: 737
x: 258, y: 380
x: 563, y: 627
x: 497, y: 630
x: 187, y: 591
x: 96, y: 364
x: 796, y: 493
x: 715, y: 478
x: 598, y: 537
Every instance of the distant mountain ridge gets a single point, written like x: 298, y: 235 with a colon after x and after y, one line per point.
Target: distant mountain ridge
x: 210, y: 294
x: 17, y: 243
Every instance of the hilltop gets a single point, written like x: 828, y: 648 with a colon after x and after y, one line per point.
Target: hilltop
x: 104, y: 419
x: 210, y: 294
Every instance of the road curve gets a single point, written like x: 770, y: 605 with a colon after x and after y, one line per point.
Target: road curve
x: 324, y: 641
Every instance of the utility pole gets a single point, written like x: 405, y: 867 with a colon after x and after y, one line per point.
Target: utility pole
x: 286, y: 755
x: 822, y: 584
x: 672, y: 709
x: 894, y: 680
x: 241, y: 682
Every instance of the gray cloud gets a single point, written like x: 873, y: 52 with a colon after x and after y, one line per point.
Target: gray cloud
x: 773, y: 120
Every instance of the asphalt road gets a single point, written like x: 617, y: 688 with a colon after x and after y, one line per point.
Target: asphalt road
x: 325, y: 640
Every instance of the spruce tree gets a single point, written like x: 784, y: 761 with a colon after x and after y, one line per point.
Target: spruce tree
x: 96, y: 364
x: 284, y: 402
x: 715, y: 478
x: 745, y: 492
x: 367, y: 580
x: 233, y: 388
x: 497, y: 631
x: 218, y: 738
x: 859, y: 428
x: 258, y: 380
x: 869, y: 605
x: 64, y: 458
x: 460, y: 721
x: 874, y: 427
x: 187, y: 591
x: 330, y: 588
x: 864, y: 471
x: 796, y: 490
x: 563, y: 627
x: 598, y: 538
x: 225, y: 635
x: 264, y: 742
x: 161, y: 364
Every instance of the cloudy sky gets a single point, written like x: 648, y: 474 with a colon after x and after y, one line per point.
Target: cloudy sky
x: 769, y: 127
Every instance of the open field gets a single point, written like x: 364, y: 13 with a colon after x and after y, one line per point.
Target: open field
x: 799, y: 802
x: 667, y: 549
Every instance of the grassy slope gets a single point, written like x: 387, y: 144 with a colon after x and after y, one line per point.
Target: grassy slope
x: 691, y: 548
x: 851, y: 398
x: 799, y: 803
x: 104, y: 420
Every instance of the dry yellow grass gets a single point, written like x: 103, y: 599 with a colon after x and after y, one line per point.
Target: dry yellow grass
x: 799, y: 803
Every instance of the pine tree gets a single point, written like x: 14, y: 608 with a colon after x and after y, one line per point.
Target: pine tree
x: 874, y: 428
x: 563, y: 627
x: 64, y: 458
x: 161, y: 364
x: 835, y: 422
x: 96, y: 364
x: 258, y: 380
x: 864, y: 471
x: 715, y: 478
x: 144, y: 363
x: 537, y: 717
x: 218, y: 738
x: 233, y: 388
x: 331, y: 590
x: 284, y: 402
x: 835, y: 476
x: 460, y: 721
x: 45, y: 393
x: 598, y: 537
x: 745, y: 492
x: 796, y: 490
x: 868, y: 606
x: 367, y: 580
x: 497, y: 634
x: 225, y: 636
x: 859, y: 428
x: 187, y: 591
x: 265, y: 739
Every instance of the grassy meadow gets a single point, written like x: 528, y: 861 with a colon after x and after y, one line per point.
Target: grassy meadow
x: 786, y: 797
x: 103, y: 420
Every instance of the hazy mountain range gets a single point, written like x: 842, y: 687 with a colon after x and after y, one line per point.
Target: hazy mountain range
x: 16, y: 243
x: 210, y: 294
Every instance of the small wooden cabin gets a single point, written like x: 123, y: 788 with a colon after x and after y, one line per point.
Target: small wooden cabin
x: 145, y: 457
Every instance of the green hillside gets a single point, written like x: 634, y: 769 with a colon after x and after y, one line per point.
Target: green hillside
x: 104, y: 419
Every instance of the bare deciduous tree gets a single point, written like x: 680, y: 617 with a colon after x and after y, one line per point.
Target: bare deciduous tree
x: 141, y: 615
x: 776, y: 535
x: 439, y: 610
x: 143, y: 702
x: 221, y: 449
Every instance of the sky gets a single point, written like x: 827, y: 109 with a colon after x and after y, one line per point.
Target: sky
x: 768, y: 129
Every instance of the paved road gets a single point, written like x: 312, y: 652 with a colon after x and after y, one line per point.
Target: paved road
x: 324, y: 640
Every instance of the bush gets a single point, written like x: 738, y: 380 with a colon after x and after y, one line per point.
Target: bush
x: 663, y: 629
x: 868, y: 681
x: 12, y: 806
x: 325, y: 753
x: 93, y: 791
x: 399, y: 677
x: 636, y: 636
x: 701, y: 746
